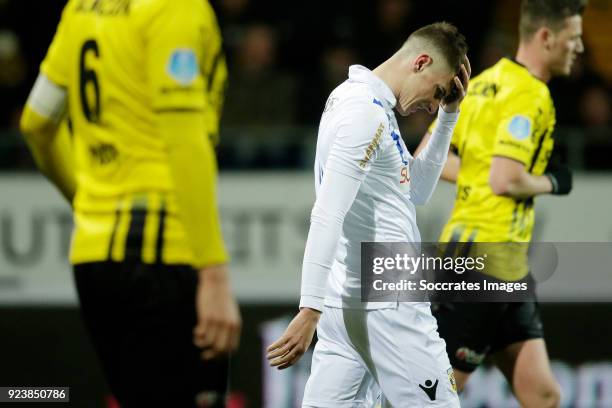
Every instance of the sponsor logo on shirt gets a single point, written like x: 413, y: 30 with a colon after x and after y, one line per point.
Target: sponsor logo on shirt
x: 520, y: 127
x: 372, y: 147
x: 183, y: 66
x: 430, y: 389
x: 108, y: 8
x: 103, y: 153
x: 404, y: 175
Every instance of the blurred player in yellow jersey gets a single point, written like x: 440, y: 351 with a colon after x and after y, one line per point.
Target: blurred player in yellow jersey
x: 142, y: 82
x: 499, y: 156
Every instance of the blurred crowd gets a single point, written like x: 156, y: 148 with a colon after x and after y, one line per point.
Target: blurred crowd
x: 285, y: 57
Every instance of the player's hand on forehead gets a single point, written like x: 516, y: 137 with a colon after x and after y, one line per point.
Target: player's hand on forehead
x: 451, y: 102
x: 465, y: 72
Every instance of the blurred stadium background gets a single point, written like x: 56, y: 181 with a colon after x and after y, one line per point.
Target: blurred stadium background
x: 284, y: 59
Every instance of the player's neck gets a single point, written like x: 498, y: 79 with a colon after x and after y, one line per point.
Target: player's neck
x: 386, y: 71
x: 531, y: 59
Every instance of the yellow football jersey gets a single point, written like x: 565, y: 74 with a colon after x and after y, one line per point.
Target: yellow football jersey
x: 123, y: 62
x: 508, y: 112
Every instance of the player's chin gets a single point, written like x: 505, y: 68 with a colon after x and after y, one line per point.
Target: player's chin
x: 562, y: 71
x: 566, y: 71
x: 403, y: 111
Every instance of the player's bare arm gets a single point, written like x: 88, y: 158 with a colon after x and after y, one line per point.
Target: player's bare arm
x: 219, y: 323
x: 218, y: 327
x: 509, y: 178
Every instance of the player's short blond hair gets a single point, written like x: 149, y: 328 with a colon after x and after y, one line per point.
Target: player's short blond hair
x: 445, y: 39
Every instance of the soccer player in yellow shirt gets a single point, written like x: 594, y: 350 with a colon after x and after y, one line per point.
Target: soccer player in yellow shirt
x: 142, y: 82
x: 499, y: 156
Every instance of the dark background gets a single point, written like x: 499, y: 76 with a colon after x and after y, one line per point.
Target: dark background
x: 48, y: 346
x: 299, y: 51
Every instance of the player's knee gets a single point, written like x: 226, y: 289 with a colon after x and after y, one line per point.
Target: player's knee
x: 551, y: 395
x: 545, y: 396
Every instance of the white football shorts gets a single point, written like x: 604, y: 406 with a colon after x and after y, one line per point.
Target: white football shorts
x: 361, y: 353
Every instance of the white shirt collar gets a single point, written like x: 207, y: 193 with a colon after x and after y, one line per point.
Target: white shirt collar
x: 359, y: 73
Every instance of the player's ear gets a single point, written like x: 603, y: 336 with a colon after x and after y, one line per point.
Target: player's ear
x: 545, y: 36
x: 420, y: 62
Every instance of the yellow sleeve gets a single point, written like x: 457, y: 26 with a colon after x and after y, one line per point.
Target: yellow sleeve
x: 177, y: 43
x: 518, y: 126
x: 51, y: 148
x: 215, y: 73
x: 182, y: 42
x: 56, y: 65
x: 194, y: 174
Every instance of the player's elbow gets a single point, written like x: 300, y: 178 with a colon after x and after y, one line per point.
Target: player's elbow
x: 504, y: 185
x: 450, y: 171
x: 448, y: 176
x: 507, y: 177
x: 499, y: 186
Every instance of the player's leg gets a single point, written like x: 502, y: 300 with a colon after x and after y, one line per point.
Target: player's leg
x: 403, y: 351
x: 521, y: 355
x: 467, y: 329
x: 141, y: 321
x: 102, y: 323
x: 338, y: 377
x: 461, y: 377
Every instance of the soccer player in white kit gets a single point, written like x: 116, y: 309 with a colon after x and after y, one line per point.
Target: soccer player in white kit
x: 367, y: 186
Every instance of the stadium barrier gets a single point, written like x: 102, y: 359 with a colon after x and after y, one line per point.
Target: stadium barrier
x: 265, y: 221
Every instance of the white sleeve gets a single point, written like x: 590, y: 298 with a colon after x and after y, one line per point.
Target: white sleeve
x: 425, y: 169
x: 47, y: 98
x: 336, y: 195
x: 355, y: 147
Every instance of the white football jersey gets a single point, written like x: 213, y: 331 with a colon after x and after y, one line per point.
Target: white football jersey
x: 359, y: 139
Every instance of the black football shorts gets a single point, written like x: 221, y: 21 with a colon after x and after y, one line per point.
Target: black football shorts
x: 474, y: 330
x: 140, y: 319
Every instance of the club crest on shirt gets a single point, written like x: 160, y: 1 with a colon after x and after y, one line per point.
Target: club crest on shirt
x: 520, y: 127
x: 451, y: 379
x: 372, y: 147
x: 183, y: 66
